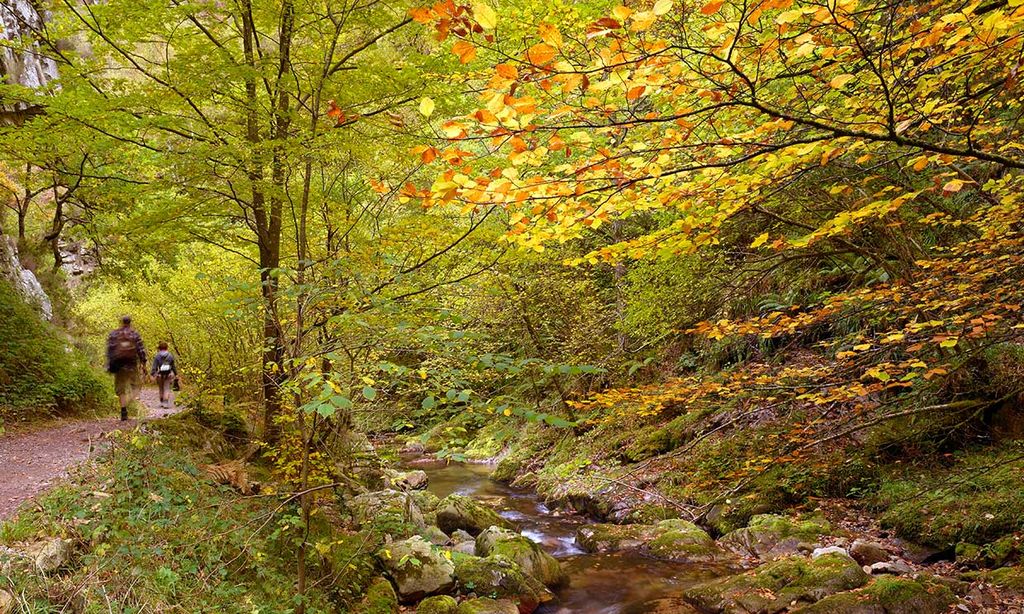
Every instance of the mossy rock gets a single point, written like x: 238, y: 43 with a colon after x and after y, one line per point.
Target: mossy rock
x: 499, y: 578
x: 683, y: 541
x: 888, y: 595
x: 602, y: 537
x: 1004, y: 551
x: 417, y: 569
x: 525, y: 552
x: 769, y: 536
x: 380, y: 598
x: 488, y: 442
x: 391, y: 512
x: 484, y: 605
x: 456, y: 512
x: 438, y: 604
x: 774, y: 586
x: 1007, y: 577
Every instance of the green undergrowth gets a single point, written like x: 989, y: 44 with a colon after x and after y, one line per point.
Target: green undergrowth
x: 152, y: 533
x: 469, y: 437
x: 41, y: 374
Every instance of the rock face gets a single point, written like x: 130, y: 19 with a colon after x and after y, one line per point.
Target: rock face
x: 390, y: 511
x: 499, y: 577
x: 888, y: 596
x: 417, y: 569
x: 676, y: 540
x: 30, y: 69
x: 439, y: 604
x: 456, y: 512
x: 770, y: 536
x: 484, y: 605
x: 775, y: 586
x: 24, y: 280
x: 530, y: 557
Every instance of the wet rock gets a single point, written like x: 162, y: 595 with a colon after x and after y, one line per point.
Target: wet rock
x: 7, y: 603
x: 773, y: 587
x: 51, y: 555
x: 887, y: 595
x: 770, y: 536
x: 868, y: 553
x: 894, y: 568
x: 413, y: 446
x: 408, y: 480
x: 380, y: 598
x: 417, y: 569
x: 484, y: 605
x: 502, y: 578
x: 670, y: 605
x: 439, y: 604
x: 680, y: 540
x: 390, y: 511
x: 463, y: 542
x: 456, y: 512
x: 614, y: 537
x: 525, y: 552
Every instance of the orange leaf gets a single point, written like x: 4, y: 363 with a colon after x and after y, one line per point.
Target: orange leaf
x: 507, y: 71
x: 465, y: 50
x: 712, y: 7
x: 636, y: 92
x: 540, y: 54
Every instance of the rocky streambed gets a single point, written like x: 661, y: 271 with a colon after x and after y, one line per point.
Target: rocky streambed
x: 479, y: 546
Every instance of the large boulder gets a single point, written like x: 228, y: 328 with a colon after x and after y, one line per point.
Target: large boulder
x: 525, y: 552
x: 683, y: 541
x: 389, y: 511
x: 888, y: 595
x: 501, y: 578
x: 456, y: 512
x: 417, y: 569
x: 676, y: 540
x: 380, y: 598
x: 770, y: 536
x: 438, y: 604
x: 868, y: 553
x: 776, y: 586
x: 484, y: 605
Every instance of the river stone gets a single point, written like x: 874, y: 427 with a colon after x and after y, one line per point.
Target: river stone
x: 614, y: 537
x: 888, y: 595
x: 770, y: 536
x: 525, y: 552
x: 380, y: 598
x: 668, y: 605
x: 438, y: 604
x: 485, y: 605
x: 894, y: 568
x: 683, y: 541
x: 502, y: 578
x: 416, y: 568
x: 868, y: 553
x: 390, y: 511
x: 456, y: 512
x: 773, y: 587
x: 51, y: 555
x: 435, y: 536
x: 818, y: 552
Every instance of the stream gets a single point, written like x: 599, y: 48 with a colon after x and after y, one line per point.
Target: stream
x: 598, y: 583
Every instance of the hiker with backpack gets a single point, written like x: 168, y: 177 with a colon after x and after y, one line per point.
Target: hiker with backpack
x: 165, y: 370
x: 126, y: 356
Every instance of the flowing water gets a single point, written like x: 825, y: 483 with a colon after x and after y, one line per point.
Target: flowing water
x: 598, y: 583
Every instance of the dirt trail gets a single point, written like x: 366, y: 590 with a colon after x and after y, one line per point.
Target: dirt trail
x: 32, y: 462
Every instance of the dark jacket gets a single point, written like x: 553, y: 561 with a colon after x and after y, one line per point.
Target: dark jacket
x: 114, y: 363
x: 161, y: 358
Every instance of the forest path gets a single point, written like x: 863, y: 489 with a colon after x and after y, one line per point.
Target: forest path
x: 33, y: 461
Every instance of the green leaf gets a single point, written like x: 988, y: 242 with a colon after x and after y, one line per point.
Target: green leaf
x: 428, y: 403
x: 369, y: 393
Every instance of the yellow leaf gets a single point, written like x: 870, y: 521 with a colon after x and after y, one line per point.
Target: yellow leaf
x: 549, y: 34
x: 840, y: 80
x: 622, y: 13
x: 662, y: 7
x: 788, y: 16
x: 507, y: 412
x: 759, y: 241
x: 953, y: 186
x: 948, y: 343
x: 426, y: 107
x: 920, y: 163
x: 862, y: 347
x: 485, y: 16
